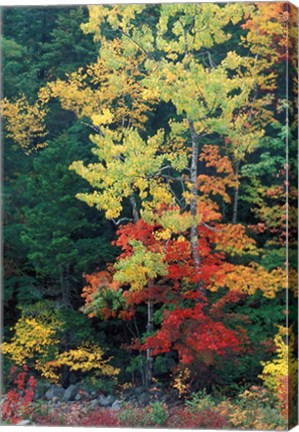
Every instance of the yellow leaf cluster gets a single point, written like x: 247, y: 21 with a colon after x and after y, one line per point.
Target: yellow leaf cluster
x: 127, y: 165
x: 35, y: 344
x: 232, y: 239
x: 108, y: 91
x: 25, y: 123
x: 86, y: 358
x: 32, y: 342
x: 103, y: 119
x: 173, y: 221
x: 141, y: 266
x: 249, y: 412
x: 181, y: 381
x: 249, y: 279
x: 284, y: 364
x: 31, y: 338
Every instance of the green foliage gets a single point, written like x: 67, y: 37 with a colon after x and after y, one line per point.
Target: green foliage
x: 159, y: 414
x: 255, y: 409
x: 102, y: 385
x: 155, y: 415
x: 200, y: 401
x: 152, y: 83
x: 160, y: 365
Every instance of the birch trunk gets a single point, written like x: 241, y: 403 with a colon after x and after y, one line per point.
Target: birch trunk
x: 236, y: 196
x: 150, y: 307
x: 193, y: 204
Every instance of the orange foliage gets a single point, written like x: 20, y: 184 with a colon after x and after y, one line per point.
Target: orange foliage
x: 249, y: 279
x: 270, y: 30
x: 216, y: 185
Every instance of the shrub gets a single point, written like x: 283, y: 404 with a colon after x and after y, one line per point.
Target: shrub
x: 17, y: 405
x: 158, y: 414
x: 37, y: 341
x: 254, y: 409
x: 100, y: 384
x: 101, y: 417
x: 200, y: 401
x: 183, y: 418
x: 154, y: 415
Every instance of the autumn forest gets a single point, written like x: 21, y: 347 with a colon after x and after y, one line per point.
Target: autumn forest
x: 149, y: 215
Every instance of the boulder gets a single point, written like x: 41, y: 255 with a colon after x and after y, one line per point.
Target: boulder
x: 71, y: 392
x: 24, y: 423
x: 116, y: 406
x: 106, y: 401
x: 94, y: 403
x: 54, y: 392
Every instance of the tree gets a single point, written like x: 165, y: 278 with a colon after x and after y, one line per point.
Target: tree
x: 139, y: 66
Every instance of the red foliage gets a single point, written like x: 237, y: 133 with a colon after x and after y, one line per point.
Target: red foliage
x: 18, y: 400
x: 140, y: 231
x: 182, y: 418
x: 101, y: 417
x: 191, y: 331
x: 191, y: 327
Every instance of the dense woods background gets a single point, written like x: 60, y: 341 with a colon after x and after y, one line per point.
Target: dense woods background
x: 144, y: 209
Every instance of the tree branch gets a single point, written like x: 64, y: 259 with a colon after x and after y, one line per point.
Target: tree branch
x: 95, y: 128
x: 212, y: 228
x: 119, y: 221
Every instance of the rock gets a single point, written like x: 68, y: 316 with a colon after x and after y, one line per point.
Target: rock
x: 24, y: 423
x: 94, y: 403
x: 106, y: 401
x: 71, y: 392
x: 41, y: 389
x: 54, y: 391
x: 116, y: 406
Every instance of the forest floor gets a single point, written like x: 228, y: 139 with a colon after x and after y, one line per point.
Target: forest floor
x: 140, y: 407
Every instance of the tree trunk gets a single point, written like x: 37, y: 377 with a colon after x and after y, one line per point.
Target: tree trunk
x: 149, y: 326
x: 134, y: 209
x: 236, y: 196
x: 193, y: 204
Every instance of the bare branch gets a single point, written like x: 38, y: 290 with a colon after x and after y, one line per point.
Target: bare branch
x: 119, y: 221
x: 136, y: 43
x: 95, y: 128
x: 212, y: 228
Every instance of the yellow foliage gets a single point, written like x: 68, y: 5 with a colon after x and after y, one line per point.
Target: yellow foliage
x: 127, y: 164
x: 35, y: 344
x: 30, y: 338
x: 181, y: 382
x: 141, y: 266
x: 103, y: 119
x: 108, y: 91
x: 85, y: 358
x: 32, y: 342
x: 284, y: 364
x: 293, y: 281
x: 25, y: 123
x: 251, y: 411
x: 249, y: 279
x: 232, y: 239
